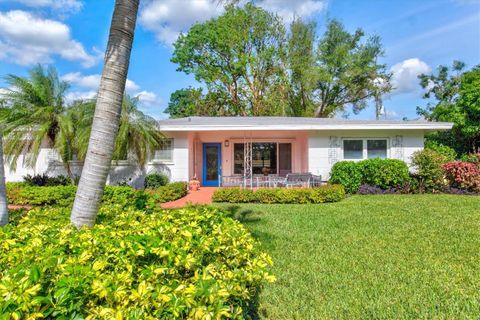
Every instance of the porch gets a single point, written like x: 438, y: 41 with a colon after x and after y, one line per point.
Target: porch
x: 250, y: 159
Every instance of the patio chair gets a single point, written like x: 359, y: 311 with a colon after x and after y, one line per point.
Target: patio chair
x: 231, y: 181
x: 315, y: 181
x: 298, y: 180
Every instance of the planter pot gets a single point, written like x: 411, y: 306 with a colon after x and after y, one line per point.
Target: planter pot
x: 194, y: 185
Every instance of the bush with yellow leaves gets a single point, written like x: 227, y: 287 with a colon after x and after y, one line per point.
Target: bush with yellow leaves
x: 189, y: 263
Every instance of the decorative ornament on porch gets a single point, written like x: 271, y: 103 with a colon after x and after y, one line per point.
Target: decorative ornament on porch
x: 194, y: 184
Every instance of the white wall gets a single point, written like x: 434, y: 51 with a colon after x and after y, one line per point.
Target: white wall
x: 325, y: 148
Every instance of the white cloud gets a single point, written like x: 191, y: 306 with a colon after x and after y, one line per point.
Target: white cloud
x: 168, y: 18
x: 405, y: 75
x: 289, y: 9
x: 92, y: 81
x: 61, y: 5
x: 147, y: 98
x: 26, y: 39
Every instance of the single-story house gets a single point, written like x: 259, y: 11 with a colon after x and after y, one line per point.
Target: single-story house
x: 217, y: 149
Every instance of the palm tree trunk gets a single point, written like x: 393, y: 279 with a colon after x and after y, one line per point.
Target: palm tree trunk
x: 107, y: 114
x: 3, y: 192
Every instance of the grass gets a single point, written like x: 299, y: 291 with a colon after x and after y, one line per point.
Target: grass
x: 375, y: 257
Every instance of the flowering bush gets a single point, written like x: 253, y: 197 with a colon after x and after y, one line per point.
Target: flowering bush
x: 428, y: 169
x: 463, y: 175
x: 192, y: 263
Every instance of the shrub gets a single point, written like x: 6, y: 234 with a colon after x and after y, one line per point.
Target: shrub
x: 448, y: 152
x: 471, y: 157
x: 428, y: 169
x: 155, y: 180
x: 322, y: 194
x: 463, y: 175
x: 346, y: 173
x: 41, y: 180
x: 113, y: 195
x: 384, y: 173
x: 189, y: 263
x: 233, y: 195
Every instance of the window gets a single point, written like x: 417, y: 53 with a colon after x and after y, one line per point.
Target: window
x: 267, y: 157
x: 353, y: 149
x: 358, y: 149
x: 165, y: 153
x: 376, y: 149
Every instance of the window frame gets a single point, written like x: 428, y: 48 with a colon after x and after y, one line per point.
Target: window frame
x: 291, y: 141
x: 165, y: 160
x: 365, y: 147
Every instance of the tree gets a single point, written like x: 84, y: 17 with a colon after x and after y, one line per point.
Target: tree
x: 456, y: 99
x: 301, y: 63
x: 240, y: 56
x: 138, y: 133
x: 106, y: 119
x: 185, y: 103
x: 35, y: 114
x: 3, y: 191
x: 347, y: 70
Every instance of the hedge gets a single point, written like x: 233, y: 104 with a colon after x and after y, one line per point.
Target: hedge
x: 382, y: 173
x: 63, y: 196
x: 322, y: 194
x: 177, y: 264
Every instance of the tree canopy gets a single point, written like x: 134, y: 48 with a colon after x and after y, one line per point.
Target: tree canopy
x: 455, y: 98
x: 251, y: 65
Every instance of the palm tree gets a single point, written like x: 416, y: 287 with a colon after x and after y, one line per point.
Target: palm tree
x: 138, y: 133
x: 35, y: 113
x: 106, y: 120
x: 3, y: 193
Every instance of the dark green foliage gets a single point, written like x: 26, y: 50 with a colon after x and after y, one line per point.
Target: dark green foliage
x: 322, y: 194
x: 155, y: 180
x: 428, y: 169
x: 346, y: 173
x: 447, y: 151
x: 457, y: 100
x: 382, y: 173
x: 41, y: 180
x: 185, y: 103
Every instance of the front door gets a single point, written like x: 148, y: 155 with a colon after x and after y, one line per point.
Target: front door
x: 212, y: 164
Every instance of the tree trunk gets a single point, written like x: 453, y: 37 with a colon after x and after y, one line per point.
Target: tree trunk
x: 107, y: 114
x: 3, y: 192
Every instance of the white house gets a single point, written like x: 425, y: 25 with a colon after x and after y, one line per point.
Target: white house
x: 219, y: 148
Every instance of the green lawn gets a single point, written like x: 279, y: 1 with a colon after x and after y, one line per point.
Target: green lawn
x: 371, y: 257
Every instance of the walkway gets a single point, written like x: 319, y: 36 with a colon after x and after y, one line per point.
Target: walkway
x: 202, y: 196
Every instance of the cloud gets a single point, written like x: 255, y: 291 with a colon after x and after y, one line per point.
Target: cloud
x: 289, y: 9
x: 405, y: 75
x: 91, y: 83
x: 58, y: 5
x: 168, y: 18
x: 26, y: 39
x: 147, y: 98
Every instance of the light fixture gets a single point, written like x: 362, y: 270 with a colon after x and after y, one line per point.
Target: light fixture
x: 226, y: 143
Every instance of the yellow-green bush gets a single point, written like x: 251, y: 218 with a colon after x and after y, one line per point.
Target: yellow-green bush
x: 325, y: 193
x: 19, y: 193
x: 191, y: 263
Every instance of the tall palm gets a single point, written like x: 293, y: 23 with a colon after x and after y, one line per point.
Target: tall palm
x: 137, y: 134
x: 107, y: 114
x: 3, y: 193
x: 36, y: 114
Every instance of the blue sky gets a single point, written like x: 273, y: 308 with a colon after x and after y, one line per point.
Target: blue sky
x: 72, y: 34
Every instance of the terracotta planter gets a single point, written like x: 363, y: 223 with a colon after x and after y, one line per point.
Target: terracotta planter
x: 194, y: 184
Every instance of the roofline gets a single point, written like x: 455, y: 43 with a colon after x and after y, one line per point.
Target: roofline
x: 310, y: 127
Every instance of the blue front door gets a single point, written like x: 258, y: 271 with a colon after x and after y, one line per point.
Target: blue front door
x: 212, y: 164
